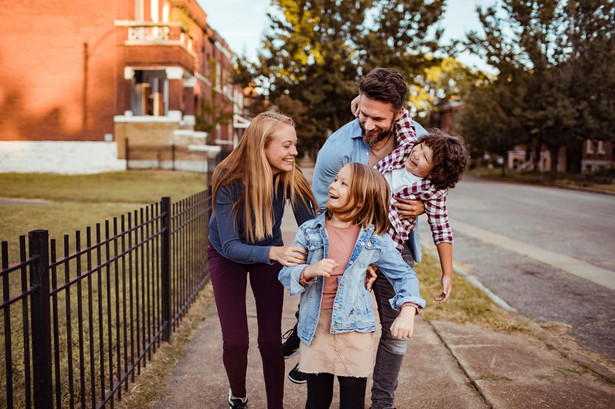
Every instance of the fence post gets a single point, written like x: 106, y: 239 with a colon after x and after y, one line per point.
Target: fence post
x: 41, y: 318
x: 165, y: 260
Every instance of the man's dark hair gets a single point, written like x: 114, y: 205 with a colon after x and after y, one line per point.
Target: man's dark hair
x: 385, y: 85
x: 450, y: 158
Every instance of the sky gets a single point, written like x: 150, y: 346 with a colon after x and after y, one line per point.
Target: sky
x: 242, y: 22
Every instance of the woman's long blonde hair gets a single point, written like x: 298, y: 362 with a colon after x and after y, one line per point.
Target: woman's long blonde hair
x: 248, y: 164
x: 368, y: 199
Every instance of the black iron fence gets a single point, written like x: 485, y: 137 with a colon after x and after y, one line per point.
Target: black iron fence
x: 81, y: 318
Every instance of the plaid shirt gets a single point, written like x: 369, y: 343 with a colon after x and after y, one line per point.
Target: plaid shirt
x: 434, y: 199
x: 405, y: 136
x: 435, y: 208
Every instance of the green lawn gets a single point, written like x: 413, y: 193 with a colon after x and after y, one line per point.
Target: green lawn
x: 65, y: 203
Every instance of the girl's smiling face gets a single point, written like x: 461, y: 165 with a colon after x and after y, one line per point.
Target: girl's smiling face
x: 420, y: 161
x: 282, y: 149
x: 339, y: 190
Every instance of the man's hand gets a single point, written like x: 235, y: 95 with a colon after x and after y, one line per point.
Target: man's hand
x: 370, y: 277
x: 409, y: 208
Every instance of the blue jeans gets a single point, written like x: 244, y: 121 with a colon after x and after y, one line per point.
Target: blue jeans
x: 391, y: 350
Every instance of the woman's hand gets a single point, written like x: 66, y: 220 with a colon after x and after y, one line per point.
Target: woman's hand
x: 323, y: 268
x: 407, y: 208
x: 287, y: 255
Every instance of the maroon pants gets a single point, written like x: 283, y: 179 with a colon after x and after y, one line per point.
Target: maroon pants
x: 229, y: 281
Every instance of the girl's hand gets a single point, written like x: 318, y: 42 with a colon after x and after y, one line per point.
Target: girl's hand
x: 323, y: 268
x: 447, y: 286
x: 287, y: 255
x: 403, y: 326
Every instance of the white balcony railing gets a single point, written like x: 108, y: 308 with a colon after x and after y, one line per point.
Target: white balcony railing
x: 145, y: 33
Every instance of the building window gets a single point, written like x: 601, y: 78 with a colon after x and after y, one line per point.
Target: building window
x: 166, y: 10
x: 139, y: 10
x: 601, y: 150
x: 154, y: 10
x: 589, y: 147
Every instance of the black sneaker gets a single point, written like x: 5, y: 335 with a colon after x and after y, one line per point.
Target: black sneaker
x: 291, y: 345
x: 296, y: 376
x: 237, y: 403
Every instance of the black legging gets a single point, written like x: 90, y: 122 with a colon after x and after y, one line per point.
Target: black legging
x: 320, y: 391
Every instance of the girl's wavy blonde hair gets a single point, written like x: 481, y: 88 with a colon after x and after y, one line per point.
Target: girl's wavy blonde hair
x: 368, y: 199
x: 248, y: 163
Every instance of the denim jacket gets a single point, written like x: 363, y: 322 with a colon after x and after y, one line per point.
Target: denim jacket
x: 352, y: 307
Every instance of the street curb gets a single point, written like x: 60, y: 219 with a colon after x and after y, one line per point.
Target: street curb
x: 603, y: 371
x: 535, y: 183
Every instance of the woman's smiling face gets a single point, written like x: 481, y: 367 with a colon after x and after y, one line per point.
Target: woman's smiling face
x: 282, y: 149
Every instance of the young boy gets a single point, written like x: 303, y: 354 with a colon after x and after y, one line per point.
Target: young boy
x: 436, y: 162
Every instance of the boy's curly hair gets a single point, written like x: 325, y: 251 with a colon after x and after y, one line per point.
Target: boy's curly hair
x: 450, y: 158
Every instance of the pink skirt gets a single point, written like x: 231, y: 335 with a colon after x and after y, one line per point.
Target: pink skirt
x: 346, y: 354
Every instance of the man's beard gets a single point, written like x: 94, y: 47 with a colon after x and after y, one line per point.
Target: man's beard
x: 376, y: 135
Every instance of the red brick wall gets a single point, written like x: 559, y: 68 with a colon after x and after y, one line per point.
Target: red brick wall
x: 49, y: 90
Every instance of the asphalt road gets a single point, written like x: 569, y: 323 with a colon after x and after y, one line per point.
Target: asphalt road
x: 548, y: 252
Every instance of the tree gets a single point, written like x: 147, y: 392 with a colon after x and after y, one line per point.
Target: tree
x: 487, y: 122
x: 546, y: 43
x: 440, y: 81
x: 316, y: 50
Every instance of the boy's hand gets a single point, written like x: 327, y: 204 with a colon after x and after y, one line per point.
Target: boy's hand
x: 370, y: 277
x: 403, y: 326
x: 323, y: 268
x: 447, y: 287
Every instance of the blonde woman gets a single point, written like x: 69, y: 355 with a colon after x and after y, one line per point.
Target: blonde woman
x: 250, y: 189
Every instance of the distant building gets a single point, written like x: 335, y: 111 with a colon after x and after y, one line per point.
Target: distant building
x: 89, y: 87
x: 522, y: 159
x: 597, y: 155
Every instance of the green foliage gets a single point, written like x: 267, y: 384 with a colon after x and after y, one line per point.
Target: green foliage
x: 315, y: 52
x: 442, y: 80
x: 558, y: 57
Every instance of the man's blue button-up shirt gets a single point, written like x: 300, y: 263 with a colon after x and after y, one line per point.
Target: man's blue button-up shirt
x: 344, y: 146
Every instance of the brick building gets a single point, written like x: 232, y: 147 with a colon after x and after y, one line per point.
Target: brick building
x: 598, y: 155
x: 92, y: 86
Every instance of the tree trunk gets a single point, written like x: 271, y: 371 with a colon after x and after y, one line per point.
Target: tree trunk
x: 505, y: 164
x: 554, y: 152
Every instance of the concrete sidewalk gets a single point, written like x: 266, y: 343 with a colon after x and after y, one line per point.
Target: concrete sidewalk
x: 447, y: 366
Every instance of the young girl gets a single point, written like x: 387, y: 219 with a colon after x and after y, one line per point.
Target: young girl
x: 336, y: 320
x: 250, y: 189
